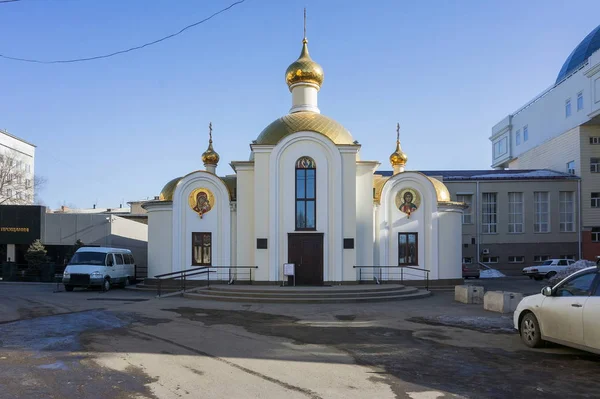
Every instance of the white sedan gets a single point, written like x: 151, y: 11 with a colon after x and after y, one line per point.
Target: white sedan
x: 567, y: 314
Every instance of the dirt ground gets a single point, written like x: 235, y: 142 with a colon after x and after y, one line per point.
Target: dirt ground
x: 128, y: 344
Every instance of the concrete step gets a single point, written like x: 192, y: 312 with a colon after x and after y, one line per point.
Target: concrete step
x: 201, y: 295
x: 323, y: 293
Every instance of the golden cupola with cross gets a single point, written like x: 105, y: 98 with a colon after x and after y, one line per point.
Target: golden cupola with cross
x: 398, y: 158
x: 210, y: 158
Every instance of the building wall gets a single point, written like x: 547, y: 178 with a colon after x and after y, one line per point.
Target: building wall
x: 504, y: 244
x: 20, y: 151
x: 590, y: 181
x: 160, y: 238
x: 245, y: 240
x: 553, y: 154
x: 329, y: 204
x: 217, y: 221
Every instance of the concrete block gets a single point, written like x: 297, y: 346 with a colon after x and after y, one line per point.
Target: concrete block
x: 469, y: 294
x: 501, y: 301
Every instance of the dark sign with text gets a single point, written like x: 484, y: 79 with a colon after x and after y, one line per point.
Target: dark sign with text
x: 20, y: 224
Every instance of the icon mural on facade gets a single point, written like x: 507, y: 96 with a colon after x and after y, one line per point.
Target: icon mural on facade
x: 201, y: 200
x: 408, y: 200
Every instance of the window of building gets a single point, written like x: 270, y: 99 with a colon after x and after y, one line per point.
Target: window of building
x: 467, y: 261
x: 540, y: 258
x: 489, y: 217
x: 8, y: 193
x: 570, y: 257
x: 516, y: 259
x: 525, y: 133
x: 515, y: 212
x: 27, y: 183
x: 489, y: 259
x: 408, y: 249
x: 19, y: 195
x: 595, y: 234
x: 201, y: 249
x: 306, y: 192
x: 595, y: 165
x: 500, y: 147
x: 595, y: 200
x: 595, y: 140
x: 541, y: 200
x: 571, y: 167
x: 567, y: 211
x: 579, y: 101
x: 518, y: 137
x: 468, y: 212
x: 568, y: 108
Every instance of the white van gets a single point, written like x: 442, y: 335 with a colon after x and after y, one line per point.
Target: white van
x: 99, y: 267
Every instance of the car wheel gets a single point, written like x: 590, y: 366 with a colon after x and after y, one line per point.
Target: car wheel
x: 106, y: 285
x: 549, y: 275
x: 530, y: 331
x: 69, y: 288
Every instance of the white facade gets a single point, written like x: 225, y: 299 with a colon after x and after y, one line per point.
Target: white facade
x: 16, y: 170
x: 304, y: 198
x: 563, y: 133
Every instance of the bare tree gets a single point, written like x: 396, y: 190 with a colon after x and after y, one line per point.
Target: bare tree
x: 18, y: 185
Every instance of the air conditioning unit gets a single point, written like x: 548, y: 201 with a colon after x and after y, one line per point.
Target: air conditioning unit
x: 485, y: 251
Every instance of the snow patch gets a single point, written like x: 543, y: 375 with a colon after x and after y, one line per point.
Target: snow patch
x: 491, y: 273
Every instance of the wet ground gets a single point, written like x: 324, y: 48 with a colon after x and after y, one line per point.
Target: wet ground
x: 125, y: 344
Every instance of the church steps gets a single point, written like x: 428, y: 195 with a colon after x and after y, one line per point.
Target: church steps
x: 201, y: 295
x: 282, y: 294
x: 308, y: 290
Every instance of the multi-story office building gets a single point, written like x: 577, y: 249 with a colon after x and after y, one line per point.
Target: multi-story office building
x: 17, y: 183
x: 515, y: 218
x: 560, y: 130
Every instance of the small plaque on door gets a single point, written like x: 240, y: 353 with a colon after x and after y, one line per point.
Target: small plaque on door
x: 261, y: 243
x: 348, y: 243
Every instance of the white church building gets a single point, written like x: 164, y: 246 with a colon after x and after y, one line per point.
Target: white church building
x: 306, y: 198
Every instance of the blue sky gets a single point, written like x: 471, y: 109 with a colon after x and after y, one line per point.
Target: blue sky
x: 118, y: 129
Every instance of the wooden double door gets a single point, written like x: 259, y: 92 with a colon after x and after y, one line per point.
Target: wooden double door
x: 305, y: 250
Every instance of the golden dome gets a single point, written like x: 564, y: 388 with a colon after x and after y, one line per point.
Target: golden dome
x: 304, y: 69
x: 443, y: 195
x: 398, y: 157
x: 168, y: 190
x: 210, y: 156
x: 304, y: 121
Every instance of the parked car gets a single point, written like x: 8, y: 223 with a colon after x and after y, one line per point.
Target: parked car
x: 547, y: 269
x: 470, y: 270
x: 566, y: 314
x: 100, y: 267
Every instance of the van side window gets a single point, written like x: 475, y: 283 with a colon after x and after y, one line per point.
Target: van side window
x: 119, y: 259
x: 109, y: 260
x: 128, y: 259
x: 131, y: 258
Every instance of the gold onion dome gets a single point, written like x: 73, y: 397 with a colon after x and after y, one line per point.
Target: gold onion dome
x: 398, y: 157
x: 210, y: 156
x: 304, y: 69
x: 166, y: 194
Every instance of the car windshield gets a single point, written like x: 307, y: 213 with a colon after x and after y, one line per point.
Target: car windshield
x: 546, y: 263
x: 88, y: 258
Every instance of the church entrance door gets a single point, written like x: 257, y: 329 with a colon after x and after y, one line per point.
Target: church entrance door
x: 305, y: 250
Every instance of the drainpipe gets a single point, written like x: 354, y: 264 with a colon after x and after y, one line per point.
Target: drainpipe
x: 477, y: 227
x: 579, y: 218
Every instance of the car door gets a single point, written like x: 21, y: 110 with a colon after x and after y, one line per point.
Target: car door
x: 119, y: 268
x: 562, y: 313
x: 591, y: 318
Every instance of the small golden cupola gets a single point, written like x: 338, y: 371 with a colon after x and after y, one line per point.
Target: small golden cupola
x: 210, y: 156
x: 398, y: 158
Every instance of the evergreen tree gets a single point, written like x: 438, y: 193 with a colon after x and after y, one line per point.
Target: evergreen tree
x: 36, y: 255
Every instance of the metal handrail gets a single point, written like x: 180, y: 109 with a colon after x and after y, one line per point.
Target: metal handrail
x: 183, y: 274
x: 401, y: 267
x: 231, y: 280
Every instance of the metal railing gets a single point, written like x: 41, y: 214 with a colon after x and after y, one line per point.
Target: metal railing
x: 375, y: 273
x: 182, y: 275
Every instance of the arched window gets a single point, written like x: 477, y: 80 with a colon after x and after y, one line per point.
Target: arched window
x: 306, y: 194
